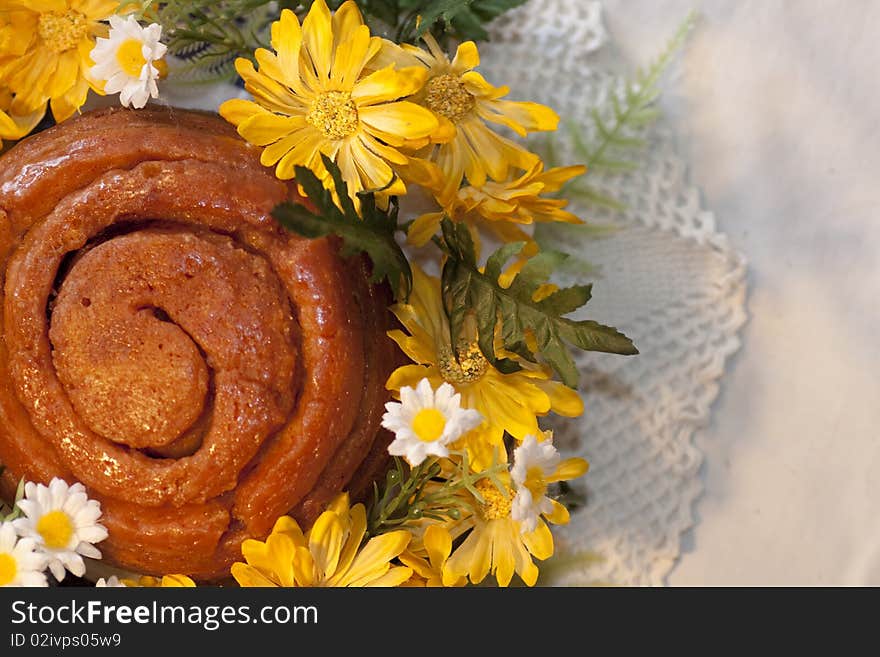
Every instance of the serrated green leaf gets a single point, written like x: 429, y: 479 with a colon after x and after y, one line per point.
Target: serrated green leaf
x: 372, y: 233
x: 495, y: 263
x: 566, y: 300
x: 467, y: 290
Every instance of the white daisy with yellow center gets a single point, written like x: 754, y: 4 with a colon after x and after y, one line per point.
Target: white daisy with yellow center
x: 425, y: 421
x: 536, y: 465
x: 130, y: 60
x: 63, y: 522
x: 21, y: 564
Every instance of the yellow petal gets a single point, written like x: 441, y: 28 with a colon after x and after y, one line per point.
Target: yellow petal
x: 318, y: 38
x: 177, y: 581
x: 403, y: 118
x: 263, y: 129
x: 65, y: 106
x: 407, y: 375
x: 553, y: 179
x: 375, y: 173
x: 385, y: 152
x: 466, y: 57
x: 372, y: 561
x: 477, y: 86
x: 506, y: 537
x: 513, y: 404
x: 571, y: 468
x: 424, y: 228
x: 472, y: 558
x: 417, y: 564
x: 274, y: 152
x: 270, y: 93
x: 346, y: 20
x: 340, y: 505
x: 564, y: 401
x: 250, y: 577
x: 273, y: 558
x: 304, y: 567
x: 325, y: 543
x: 290, y: 528
x: 358, y: 517
x: 306, y: 153
x: 237, y: 110
x: 65, y: 75
x: 438, y: 544
x: 559, y: 515
x: 98, y: 9
x: 287, y: 41
x: 350, y: 58
x: 394, y: 577
x: 16, y: 127
x: 525, y: 567
x: 388, y: 84
x: 540, y: 541
x: 523, y: 117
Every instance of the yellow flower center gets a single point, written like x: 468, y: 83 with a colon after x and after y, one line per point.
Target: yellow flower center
x: 131, y: 58
x: 56, y: 529
x: 8, y: 569
x: 495, y: 504
x: 335, y: 114
x: 470, y: 365
x: 429, y: 424
x: 62, y: 31
x: 535, y: 482
x: 446, y: 95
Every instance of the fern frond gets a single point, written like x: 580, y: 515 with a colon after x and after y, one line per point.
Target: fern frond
x: 632, y: 112
x: 206, y: 36
x: 618, y: 128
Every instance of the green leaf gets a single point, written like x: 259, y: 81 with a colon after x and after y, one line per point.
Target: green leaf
x: 458, y: 20
x: 467, y: 291
x: 372, y: 232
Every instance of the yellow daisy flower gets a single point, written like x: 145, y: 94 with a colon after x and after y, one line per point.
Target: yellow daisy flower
x: 507, y: 402
x: 496, y: 544
x: 501, y: 544
x: 45, y: 48
x: 329, y: 554
x: 502, y: 207
x: 465, y: 101
x: 315, y: 95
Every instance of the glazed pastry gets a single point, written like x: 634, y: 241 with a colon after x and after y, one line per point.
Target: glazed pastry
x: 200, y: 369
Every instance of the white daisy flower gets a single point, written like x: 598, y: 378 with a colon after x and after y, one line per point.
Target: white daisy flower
x: 21, y: 564
x: 536, y: 465
x: 112, y: 583
x: 63, y: 522
x: 425, y: 421
x: 128, y: 60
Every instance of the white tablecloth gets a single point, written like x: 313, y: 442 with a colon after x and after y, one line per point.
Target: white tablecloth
x: 777, y: 108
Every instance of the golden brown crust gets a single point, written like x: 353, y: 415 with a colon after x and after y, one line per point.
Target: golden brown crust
x: 199, y: 368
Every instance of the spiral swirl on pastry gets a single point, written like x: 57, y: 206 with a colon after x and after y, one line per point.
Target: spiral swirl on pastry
x: 200, y: 369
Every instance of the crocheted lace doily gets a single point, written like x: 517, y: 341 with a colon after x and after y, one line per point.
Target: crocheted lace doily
x: 668, y: 278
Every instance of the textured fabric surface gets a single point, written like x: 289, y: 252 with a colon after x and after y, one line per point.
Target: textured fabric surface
x: 668, y: 278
